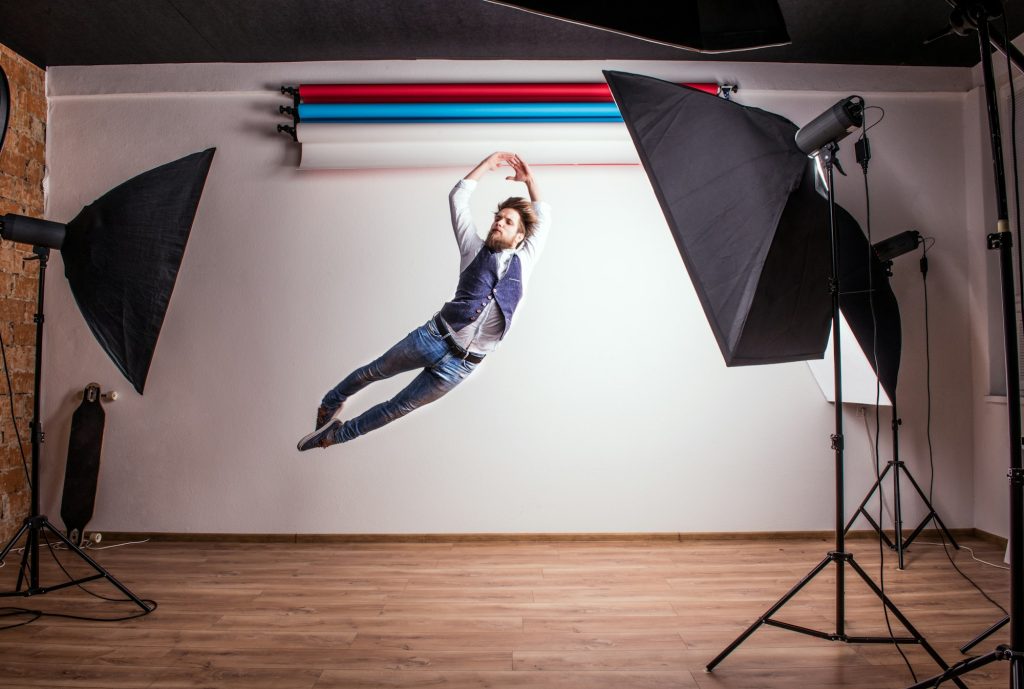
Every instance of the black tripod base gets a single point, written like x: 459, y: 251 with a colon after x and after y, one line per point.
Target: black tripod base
x: 966, y: 648
x: 28, y: 574
x: 971, y: 664
x: 840, y: 559
x: 900, y: 544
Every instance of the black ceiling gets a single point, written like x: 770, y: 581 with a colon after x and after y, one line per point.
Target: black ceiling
x: 92, y: 32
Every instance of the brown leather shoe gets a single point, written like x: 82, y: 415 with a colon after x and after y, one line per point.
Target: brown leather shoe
x: 324, y: 415
x: 321, y: 437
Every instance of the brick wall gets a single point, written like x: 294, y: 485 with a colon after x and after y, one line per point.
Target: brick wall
x: 21, y: 192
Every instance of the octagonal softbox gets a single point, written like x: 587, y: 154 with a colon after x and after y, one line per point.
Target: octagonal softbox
x: 753, y: 231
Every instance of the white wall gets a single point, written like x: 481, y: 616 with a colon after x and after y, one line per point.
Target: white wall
x: 608, y: 409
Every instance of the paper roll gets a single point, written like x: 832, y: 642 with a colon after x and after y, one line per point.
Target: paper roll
x: 463, y: 93
x: 463, y: 153
x: 369, y: 112
x: 512, y: 135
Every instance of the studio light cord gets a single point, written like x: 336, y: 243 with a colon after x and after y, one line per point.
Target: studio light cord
x: 14, y: 421
x: 863, y: 152
x: 90, y: 545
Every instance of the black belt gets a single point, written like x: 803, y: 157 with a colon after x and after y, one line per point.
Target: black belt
x: 453, y: 346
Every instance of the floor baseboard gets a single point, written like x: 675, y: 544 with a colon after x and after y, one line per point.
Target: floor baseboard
x: 859, y: 534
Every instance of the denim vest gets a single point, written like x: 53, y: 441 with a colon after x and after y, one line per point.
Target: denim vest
x: 478, y: 285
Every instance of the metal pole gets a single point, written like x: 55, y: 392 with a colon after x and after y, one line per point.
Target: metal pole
x: 1002, y: 240
x: 897, y: 500
x: 42, y: 255
x: 837, y: 439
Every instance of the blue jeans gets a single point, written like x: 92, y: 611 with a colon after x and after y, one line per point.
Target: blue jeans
x: 422, y: 348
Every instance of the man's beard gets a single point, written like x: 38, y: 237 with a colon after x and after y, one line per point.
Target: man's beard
x: 495, y: 242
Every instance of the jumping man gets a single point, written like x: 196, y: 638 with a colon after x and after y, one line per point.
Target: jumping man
x: 493, y: 276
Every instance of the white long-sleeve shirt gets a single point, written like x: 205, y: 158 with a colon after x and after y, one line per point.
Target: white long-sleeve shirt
x: 483, y: 335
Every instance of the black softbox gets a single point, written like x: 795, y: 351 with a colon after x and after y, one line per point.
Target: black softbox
x: 122, y: 253
x: 740, y: 200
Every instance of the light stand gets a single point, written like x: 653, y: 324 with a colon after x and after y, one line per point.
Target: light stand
x: 121, y: 258
x: 898, y: 543
x: 978, y: 14
x: 839, y: 557
x: 36, y: 524
x: 886, y: 251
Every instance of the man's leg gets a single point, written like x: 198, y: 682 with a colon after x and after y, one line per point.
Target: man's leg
x: 419, y: 349
x: 430, y: 385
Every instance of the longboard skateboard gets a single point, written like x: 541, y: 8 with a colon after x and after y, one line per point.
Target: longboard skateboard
x: 83, y: 466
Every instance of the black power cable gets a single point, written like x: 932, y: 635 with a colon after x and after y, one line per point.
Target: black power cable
x: 14, y: 421
x: 863, y: 152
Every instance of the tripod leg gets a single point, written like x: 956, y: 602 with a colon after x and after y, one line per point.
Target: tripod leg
x: 904, y: 621
x: 96, y: 566
x: 26, y: 566
x: 985, y: 634
x: 880, y: 531
x: 24, y: 557
x: 864, y: 502
x: 959, y: 669
x: 14, y: 541
x: 932, y: 513
x: 771, y: 611
x: 28, y: 574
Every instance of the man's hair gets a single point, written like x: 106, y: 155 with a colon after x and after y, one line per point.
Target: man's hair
x: 527, y: 215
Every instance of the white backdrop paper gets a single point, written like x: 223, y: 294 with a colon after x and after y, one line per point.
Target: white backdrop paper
x: 328, y: 146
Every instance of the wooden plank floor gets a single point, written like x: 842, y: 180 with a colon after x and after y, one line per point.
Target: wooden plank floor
x: 553, y: 615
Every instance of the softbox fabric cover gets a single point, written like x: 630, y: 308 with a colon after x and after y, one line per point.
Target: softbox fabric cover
x: 725, y: 176
x: 122, y: 254
x: 753, y: 230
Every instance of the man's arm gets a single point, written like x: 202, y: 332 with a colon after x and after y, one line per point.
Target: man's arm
x: 524, y: 175
x: 535, y: 244
x: 491, y: 162
x: 465, y: 232
x: 522, y: 171
x: 462, y: 222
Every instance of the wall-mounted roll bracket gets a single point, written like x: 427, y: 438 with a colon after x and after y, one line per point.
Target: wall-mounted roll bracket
x: 292, y: 91
x: 292, y: 111
x: 290, y: 130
